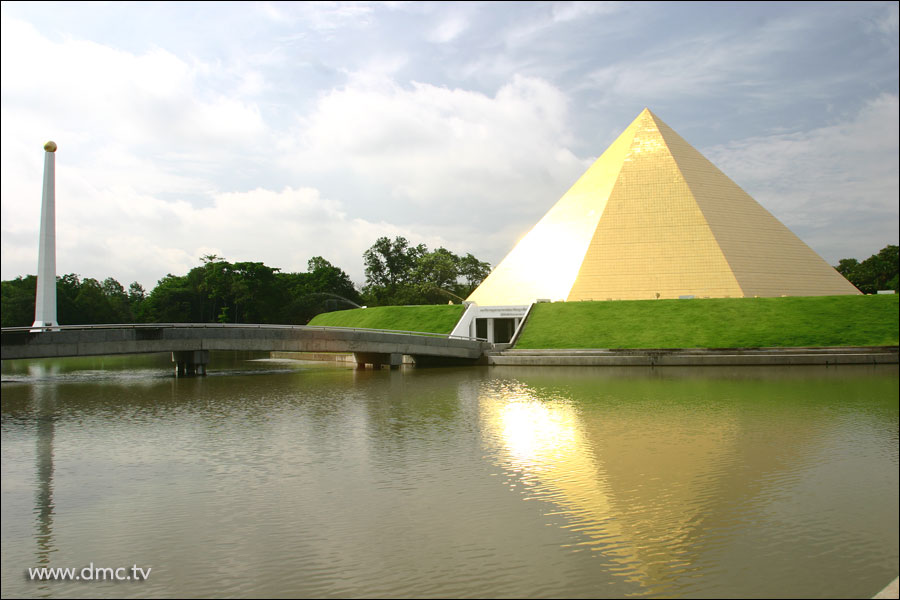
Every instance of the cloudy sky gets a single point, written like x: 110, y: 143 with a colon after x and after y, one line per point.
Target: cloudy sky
x: 275, y: 132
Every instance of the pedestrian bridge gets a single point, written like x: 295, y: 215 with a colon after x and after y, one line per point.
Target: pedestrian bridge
x: 190, y: 343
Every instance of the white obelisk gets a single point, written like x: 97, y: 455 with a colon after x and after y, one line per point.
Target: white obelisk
x: 45, y: 303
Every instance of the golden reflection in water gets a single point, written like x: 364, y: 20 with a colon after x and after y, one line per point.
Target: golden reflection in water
x: 543, y: 444
x: 536, y: 435
x: 643, y: 510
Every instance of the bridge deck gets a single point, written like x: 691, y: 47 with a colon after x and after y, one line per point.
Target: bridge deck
x: 92, y: 340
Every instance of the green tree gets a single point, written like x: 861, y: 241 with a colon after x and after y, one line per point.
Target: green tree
x: 118, y: 301
x: 213, y: 283
x: 878, y: 272
x: 171, y: 301
x: 435, y: 275
x: 389, y: 270
x: 256, y: 296
x: 325, y: 278
x: 18, y: 298
x: 886, y: 267
x: 67, y: 288
x: 473, y: 272
x: 78, y: 301
x: 322, y: 288
x: 91, y: 304
x: 136, y: 297
x: 397, y: 273
x: 847, y: 266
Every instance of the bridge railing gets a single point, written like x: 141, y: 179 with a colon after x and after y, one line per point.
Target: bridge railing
x: 230, y: 326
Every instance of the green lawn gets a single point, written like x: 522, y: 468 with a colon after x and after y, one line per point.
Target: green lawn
x: 715, y: 323
x: 439, y: 318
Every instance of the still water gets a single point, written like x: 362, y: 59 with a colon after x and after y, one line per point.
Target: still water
x: 283, y: 479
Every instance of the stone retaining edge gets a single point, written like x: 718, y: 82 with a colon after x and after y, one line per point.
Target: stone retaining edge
x: 696, y: 356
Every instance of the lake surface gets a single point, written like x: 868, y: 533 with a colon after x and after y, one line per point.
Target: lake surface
x: 284, y: 479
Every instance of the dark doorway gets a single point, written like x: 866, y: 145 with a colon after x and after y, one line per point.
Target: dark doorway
x: 481, y: 328
x: 503, y: 330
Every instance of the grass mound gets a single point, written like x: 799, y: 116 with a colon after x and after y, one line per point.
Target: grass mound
x: 439, y: 318
x: 715, y: 323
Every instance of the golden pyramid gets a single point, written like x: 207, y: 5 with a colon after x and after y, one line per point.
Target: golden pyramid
x: 653, y: 218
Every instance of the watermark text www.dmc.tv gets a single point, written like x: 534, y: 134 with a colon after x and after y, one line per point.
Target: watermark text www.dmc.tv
x: 88, y: 573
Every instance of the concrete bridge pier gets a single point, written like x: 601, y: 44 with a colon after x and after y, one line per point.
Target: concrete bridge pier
x: 376, y: 359
x: 190, y: 362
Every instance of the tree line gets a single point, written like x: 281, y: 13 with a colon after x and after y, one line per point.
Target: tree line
x: 218, y: 291
x: 878, y: 272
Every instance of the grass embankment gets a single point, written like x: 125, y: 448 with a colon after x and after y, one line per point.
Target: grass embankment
x: 715, y: 323
x: 432, y: 319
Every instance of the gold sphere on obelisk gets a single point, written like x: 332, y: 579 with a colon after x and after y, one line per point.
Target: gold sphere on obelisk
x: 50, y: 146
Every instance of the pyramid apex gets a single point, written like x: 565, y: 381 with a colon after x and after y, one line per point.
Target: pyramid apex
x: 645, y: 114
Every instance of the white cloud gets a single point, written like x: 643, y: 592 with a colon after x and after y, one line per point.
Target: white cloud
x: 132, y: 129
x: 107, y: 97
x: 572, y: 11
x: 320, y: 16
x: 448, y: 29
x: 537, y: 20
x: 451, y: 154
x: 118, y: 231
